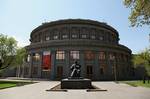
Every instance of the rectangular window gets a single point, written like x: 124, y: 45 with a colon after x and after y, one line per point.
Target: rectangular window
x: 83, y: 36
x: 74, y: 36
x: 55, y: 37
x: 47, y: 38
x: 74, y: 55
x: 64, y: 36
x: 89, y: 55
x: 93, y: 37
x: 60, y: 55
x: 89, y: 69
x: 101, y: 38
x: 111, y: 56
x: 102, y: 55
x: 119, y: 57
x: 28, y: 58
x: 36, y: 56
x: 102, y: 68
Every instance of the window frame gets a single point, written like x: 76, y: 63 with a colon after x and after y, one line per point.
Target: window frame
x: 74, y: 55
x: 60, y: 55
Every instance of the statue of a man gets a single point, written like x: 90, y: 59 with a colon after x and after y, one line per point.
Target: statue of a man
x: 75, y: 68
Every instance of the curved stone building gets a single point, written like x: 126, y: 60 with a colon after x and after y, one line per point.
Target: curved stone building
x: 95, y: 45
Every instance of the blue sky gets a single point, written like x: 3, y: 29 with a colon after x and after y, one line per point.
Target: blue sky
x: 19, y: 17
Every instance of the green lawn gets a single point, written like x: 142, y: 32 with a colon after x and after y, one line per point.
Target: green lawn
x: 137, y: 83
x: 8, y: 84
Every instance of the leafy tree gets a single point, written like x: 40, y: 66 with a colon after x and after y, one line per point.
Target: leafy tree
x: 145, y: 55
x: 20, y: 58
x: 140, y: 12
x: 8, y: 46
x: 143, y: 59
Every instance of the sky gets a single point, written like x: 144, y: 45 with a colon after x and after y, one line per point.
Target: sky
x: 19, y: 17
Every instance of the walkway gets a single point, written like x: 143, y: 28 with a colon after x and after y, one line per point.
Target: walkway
x: 37, y: 91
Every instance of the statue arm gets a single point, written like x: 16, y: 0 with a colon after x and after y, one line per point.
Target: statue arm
x: 72, y: 66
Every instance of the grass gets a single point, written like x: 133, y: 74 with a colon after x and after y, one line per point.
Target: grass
x: 8, y: 84
x: 137, y: 83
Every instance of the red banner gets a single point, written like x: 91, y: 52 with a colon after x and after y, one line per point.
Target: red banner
x: 46, y: 60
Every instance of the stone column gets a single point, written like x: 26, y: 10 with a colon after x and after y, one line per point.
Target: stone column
x: 66, y: 68
x: 109, y: 65
x: 53, y: 68
x: 30, y: 65
x: 96, y: 67
x: 82, y: 63
x: 40, y: 64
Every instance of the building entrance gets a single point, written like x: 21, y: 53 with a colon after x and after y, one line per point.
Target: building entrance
x: 89, y: 71
x: 59, y: 72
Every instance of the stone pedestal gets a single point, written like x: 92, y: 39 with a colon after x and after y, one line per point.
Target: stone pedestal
x: 76, y: 84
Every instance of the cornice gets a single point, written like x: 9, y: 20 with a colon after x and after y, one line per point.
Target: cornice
x: 74, y: 21
x: 83, y: 43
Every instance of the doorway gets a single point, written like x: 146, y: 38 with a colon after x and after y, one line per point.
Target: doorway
x: 59, y: 72
x: 89, y: 71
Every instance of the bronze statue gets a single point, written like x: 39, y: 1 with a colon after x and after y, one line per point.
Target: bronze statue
x: 75, y: 68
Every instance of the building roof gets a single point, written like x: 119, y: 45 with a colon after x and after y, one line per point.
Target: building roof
x: 75, y: 21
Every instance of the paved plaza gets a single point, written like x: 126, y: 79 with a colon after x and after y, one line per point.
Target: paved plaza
x: 38, y: 91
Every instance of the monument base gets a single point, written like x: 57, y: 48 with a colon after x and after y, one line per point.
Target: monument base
x: 76, y: 84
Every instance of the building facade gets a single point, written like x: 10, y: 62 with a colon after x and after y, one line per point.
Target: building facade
x: 95, y: 45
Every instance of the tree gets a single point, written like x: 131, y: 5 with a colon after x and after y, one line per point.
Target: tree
x: 143, y: 59
x: 145, y: 55
x: 20, y: 55
x: 8, y: 46
x: 20, y: 58
x: 140, y: 12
